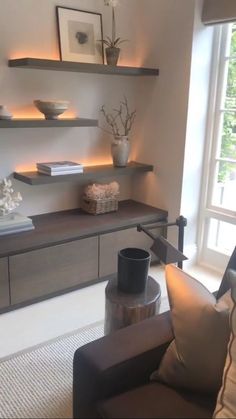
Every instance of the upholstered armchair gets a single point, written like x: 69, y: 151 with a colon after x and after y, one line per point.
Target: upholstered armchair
x: 112, y: 374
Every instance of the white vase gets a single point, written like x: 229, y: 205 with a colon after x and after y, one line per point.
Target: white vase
x: 120, y: 149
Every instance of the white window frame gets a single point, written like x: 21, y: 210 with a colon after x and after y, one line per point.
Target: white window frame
x: 207, y: 256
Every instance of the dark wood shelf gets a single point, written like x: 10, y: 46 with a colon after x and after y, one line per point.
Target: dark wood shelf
x: 66, y: 226
x: 40, y: 64
x: 46, y: 123
x: 90, y: 172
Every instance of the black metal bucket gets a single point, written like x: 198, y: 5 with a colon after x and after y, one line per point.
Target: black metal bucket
x: 133, y: 266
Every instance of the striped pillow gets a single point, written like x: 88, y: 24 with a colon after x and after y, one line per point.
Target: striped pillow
x: 226, y: 403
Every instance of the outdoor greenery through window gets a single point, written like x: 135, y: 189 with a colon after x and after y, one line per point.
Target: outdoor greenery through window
x: 219, y: 215
x: 225, y: 189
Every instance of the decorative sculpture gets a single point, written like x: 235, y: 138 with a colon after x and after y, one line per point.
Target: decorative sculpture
x: 9, y: 200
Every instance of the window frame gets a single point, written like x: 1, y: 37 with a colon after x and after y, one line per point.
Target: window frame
x: 207, y: 256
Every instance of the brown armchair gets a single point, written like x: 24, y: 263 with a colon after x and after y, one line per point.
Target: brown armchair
x: 112, y: 375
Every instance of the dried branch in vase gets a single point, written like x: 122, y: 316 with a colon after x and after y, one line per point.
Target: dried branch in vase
x: 121, y: 120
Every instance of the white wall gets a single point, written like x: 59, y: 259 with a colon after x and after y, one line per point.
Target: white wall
x: 160, y: 34
x: 28, y: 28
x: 161, y: 131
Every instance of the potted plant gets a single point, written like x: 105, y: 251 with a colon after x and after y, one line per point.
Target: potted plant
x: 112, y: 43
x: 120, y: 122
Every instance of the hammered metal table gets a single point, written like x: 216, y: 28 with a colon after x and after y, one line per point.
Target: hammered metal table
x: 122, y: 309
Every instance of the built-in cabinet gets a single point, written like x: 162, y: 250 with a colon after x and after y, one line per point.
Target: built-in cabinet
x: 4, y: 283
x: 112, y: 243
x: 68, y: 250
x: 46, y: 271
x: 43, y: 272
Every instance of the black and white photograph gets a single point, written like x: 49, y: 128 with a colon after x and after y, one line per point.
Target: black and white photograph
x: 80, y: 35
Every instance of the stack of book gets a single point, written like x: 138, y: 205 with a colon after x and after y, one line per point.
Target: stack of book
x: 57, y: 168
x: 15, y: 223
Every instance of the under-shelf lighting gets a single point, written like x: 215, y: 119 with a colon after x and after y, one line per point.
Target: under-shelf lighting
x: 97, y: 162
x: 30, y: 112
x: 15, y: 55
x: 26, y: 167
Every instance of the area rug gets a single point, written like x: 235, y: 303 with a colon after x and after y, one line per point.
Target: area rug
x: 37, y: 383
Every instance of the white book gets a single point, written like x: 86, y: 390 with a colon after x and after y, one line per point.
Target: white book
x: 61, y: 173
x: 65, y: 169
x: 59, y: 165
x: 14, y: 219
x: 12, y: 223
x: 13, y: 230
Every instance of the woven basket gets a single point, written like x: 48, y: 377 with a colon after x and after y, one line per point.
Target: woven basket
x: 99, y: 206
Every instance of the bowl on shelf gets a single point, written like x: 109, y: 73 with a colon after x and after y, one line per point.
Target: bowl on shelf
x: 4, y: 113
x: 51, y: 109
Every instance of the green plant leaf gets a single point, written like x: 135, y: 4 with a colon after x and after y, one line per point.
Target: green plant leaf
x: 109, y: 39
x: 107, y: 43
x: 119, y: 41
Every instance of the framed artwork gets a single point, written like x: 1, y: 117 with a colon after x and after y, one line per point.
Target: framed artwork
x: 80, y: 34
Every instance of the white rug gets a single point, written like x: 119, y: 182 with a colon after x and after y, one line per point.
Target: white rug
x: 37, y: 383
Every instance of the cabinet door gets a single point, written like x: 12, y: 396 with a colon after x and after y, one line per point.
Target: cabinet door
x: 4, y: 283
x: 40, y: 272
x: 111, y: 243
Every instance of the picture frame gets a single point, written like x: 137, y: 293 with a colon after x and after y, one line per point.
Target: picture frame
x: 80, y: 33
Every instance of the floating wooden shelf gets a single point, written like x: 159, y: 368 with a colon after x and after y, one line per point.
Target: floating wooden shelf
x: 40, y: 64
x: 90, y: 172
x: 46, y: 123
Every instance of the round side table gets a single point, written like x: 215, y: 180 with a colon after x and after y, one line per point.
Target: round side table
x: 123, y: 309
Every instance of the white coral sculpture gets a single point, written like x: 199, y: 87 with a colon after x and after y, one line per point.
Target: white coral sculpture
x: 8, y: 199
x: 98, y: 191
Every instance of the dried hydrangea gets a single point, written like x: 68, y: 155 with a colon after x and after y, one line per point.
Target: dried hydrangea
x: 8, y: 199
x: 98, y: 191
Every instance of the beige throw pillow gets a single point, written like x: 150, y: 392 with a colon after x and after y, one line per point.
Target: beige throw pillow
x: 195, y: 359
x: 226, y: 403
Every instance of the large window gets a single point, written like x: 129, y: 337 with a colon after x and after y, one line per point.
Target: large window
x: 218, y: 215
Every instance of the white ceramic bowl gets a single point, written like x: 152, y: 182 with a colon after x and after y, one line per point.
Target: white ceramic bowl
x: 4, y: 113
x: 51, y: 109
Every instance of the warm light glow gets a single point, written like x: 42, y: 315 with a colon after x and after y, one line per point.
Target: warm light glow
x: 26, y: 112
x: 69, y: 114
x: 31, y: 112
x: 134, y: 62
x: 14, y: 55
x: 26, y: 168
x: 97, y: 162
x: 137, y: 62
x: 31, y: 167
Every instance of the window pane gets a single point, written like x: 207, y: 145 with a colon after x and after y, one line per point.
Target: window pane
x: 224, y: 192
x: 233, y: 40
x: 228, y: 139
x: 221, y: 236
x: 231, y: 85
x: 230, y: 102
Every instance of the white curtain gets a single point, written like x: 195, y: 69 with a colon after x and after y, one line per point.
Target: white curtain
x: 218, y: 11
